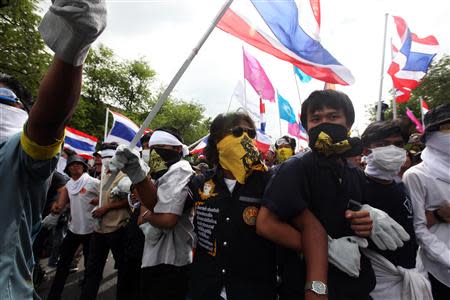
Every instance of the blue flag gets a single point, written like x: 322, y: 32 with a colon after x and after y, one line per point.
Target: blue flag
x: 302, y: 76
x: 286, y: 111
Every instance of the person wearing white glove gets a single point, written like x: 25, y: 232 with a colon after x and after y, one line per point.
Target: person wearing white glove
x: 393, y: 245
x: 345, y: 255
x: 129, y: 162
x: 71, y: 26
x: 51, y: 220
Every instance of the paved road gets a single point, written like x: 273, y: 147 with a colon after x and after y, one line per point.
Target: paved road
x: 72, y: 288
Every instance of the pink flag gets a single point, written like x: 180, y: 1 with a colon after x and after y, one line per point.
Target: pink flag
x: 256, y: 76
x: 413, y: 118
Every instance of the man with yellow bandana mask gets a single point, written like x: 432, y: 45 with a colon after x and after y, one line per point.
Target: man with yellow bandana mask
x: 285, y: 148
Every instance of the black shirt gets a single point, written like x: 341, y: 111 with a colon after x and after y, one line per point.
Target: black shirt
x: 324, y: 186
x: 392, y: 199
x: 229, y: 253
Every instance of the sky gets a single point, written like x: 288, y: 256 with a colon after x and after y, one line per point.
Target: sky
x: 164, y: 32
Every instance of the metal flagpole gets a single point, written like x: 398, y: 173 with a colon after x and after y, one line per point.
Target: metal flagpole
x: 380, y: 93
x: 106, y: 124
x: 298, y: 89
x: 394, y: 100
x: 100, y: 196
x: 163, y: 97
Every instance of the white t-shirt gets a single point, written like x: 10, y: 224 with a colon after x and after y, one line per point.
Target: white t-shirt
x: 81, y: 192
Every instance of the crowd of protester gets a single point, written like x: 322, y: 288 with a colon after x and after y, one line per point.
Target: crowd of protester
x: 346, y: 218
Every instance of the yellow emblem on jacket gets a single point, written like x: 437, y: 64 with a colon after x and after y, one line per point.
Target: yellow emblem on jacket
x: 249, y: 215
x: 208, y: 190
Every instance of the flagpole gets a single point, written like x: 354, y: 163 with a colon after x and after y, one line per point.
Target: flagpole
x: 163, y: 97
x: 380, y: 92
x: 421, y: 111
x: 298, y: 89
x: 106, y: 124
x: 394, y: 100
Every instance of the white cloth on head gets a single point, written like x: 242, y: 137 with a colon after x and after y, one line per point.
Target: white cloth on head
x: 429, y: 193
x: 385, y: 162
x: 394, y: 282
x: 108, y: 153
x: 436, y: 155
x: 71, y: 26
x: 160, y: 137
x: 12, y: 120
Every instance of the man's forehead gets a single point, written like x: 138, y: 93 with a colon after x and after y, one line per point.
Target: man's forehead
x: 326, y: 110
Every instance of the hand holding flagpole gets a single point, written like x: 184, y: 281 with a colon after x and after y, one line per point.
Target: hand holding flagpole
x: 163, y: 97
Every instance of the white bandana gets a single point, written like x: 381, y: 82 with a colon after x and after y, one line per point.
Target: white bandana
x: 12, y: 120
x: 436, y: 156
x: 74, y: 186
x: 160, y: 137
x: 385, y: 162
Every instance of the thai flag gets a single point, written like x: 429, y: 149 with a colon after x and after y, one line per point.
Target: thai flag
x: 123, y: 130
x: 424, y: 108
x: 288, y: 30
x: 411, y: 61
x: 200, y: 146
x: 262, y: 141
x: 83, y: 144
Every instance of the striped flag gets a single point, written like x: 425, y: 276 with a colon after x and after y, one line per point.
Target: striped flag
x: 288, y: 30
x: 122, y: 131
x: 82, y: 143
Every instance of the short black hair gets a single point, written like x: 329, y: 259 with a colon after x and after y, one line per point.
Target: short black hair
x: 317, y: 100
x: 172, y: 130
x: 382, y: 129
x: 21, y: 92
x: 291, y: 141
x: 220, y: 126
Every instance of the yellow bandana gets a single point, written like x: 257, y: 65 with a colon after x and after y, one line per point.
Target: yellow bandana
x: 324, y: 144
x: 283, y: 154
x: 240, y: 156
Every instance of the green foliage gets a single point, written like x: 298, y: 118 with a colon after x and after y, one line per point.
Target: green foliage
x: 434, y: 90
x: 22, y: 49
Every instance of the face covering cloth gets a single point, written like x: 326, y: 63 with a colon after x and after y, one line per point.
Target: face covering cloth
x: 332, y: 140
x: 283, y: 154
x: 385, y: 162
x: 240, y: 156
x: 436, y: 156
x: 12, y: 120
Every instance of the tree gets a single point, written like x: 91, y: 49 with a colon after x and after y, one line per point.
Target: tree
x: 434, y: 90
x: 22, y: 50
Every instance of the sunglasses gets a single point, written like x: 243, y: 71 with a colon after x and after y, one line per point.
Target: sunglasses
x: 239, y: 131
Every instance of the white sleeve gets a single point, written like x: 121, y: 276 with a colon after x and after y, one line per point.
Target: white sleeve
x: 432, y: 245
x: 93, y: 186
x: 172, y: 191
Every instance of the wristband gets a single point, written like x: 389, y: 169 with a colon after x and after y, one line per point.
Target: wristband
x: 438, y: 217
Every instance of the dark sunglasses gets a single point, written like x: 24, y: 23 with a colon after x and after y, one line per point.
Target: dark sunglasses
x: 239, y: 131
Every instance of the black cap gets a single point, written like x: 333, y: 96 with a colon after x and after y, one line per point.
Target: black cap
x: 75, y: 158
x: 436, y: 117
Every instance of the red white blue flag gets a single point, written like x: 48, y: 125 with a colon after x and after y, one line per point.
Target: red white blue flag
x: 288, y: 30
x: 123, y: 130
x: 412, y: 57
x: 83, y: 144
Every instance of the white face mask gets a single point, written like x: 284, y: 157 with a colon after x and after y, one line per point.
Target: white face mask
x: 146, y: 155
x: 12, y: 120
x: 385, y: 162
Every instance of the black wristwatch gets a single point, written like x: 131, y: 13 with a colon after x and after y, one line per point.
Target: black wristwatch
x: 438, y: 217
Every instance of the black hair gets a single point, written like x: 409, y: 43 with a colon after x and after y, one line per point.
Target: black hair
x: 437, y: 116
x: 109, y: 146
x: 21, y: 92
x: 291, y: 141
x: 220, y: 126
x: 382, y: 129
x: 146, y: 137
x: 173, y: 131
x: 317, y: 100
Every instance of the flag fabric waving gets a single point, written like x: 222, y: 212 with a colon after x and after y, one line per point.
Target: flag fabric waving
x: 83, y: 144
x: 424, y: 108
x: 122, y: 131
x: 302, y: 76
x: 297, y: 130
x: 411, y: 60
x: 200, y: 146
x: 413, y: 118
x: 289, y: 31
x: 258, y: 79
x: 262, y: 141
x: 285, y: 109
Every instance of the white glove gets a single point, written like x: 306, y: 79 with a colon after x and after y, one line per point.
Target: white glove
x: 386, y: 232
x: 129, y: 162
x: 71, y: 26
x: 123, y: 188
x: 344, y: 253
x: 50, y: 221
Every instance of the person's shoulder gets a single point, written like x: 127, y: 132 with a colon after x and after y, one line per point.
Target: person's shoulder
x: 296, y: 164
x: 416, y: 172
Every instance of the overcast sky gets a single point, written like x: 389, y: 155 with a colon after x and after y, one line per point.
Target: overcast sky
x: 165, y: 31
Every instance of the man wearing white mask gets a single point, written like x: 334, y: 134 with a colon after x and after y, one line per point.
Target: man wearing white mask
x: 395, y: 270
x: 29, y: 147
x: 429, y: 186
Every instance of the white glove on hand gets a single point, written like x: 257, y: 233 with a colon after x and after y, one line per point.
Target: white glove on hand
x: 122, y: 189
x: 71, y: 26
x: 344, y: 253
x: 129, y: 162
x: 50, y: 221
x: 386, y: 232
